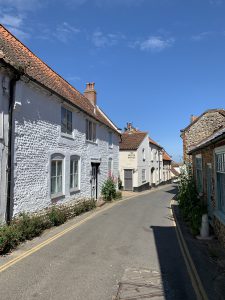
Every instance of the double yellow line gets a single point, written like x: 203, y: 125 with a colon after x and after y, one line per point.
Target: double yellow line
x: 60, y: 234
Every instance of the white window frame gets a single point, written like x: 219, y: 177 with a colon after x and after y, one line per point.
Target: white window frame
x: 143, y: 175
x: 68, y: 131
x: 74, y: 158
x: 110, y: 172
x: 219, y: 151
x: 91, y: 129
x: 57, y: 158
x: 199, y: 156
x: 110, y: 137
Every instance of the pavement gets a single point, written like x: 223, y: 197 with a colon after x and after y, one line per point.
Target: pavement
x: 124, y: 250
x: 208, y: 258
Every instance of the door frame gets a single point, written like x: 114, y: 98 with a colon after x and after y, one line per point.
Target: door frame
x: 132, y: 179
x: 96, y: 166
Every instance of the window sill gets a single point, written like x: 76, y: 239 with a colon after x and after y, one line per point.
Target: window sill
x: 91, y: 142
x: 220, y: 216
x: 75, y: 190
x: 55, y: 196
x: 66, y: 135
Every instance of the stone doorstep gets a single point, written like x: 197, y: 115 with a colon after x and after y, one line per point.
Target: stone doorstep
x: 140, y: 284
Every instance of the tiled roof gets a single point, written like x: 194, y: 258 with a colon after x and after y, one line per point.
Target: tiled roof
x: 153, y: 142
x: 174, y: 172
x: 166, y: 156
x: 131, y: 140
x: 18, y: 55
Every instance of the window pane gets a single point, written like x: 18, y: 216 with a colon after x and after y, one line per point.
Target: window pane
x: 94, y: 132
x: 59, y: 184
x: 53, y: 168
x: 63, y: 120
x: 59, y: 168
x: 90, y: 131
x: 87, y: 130
x: 69, y: 122
x: 71, y: 181
x: 53, y: 185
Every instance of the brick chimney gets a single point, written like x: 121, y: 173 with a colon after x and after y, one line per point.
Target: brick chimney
x: 193, y: 118
x: 129, y: 126
x: 90, y: 93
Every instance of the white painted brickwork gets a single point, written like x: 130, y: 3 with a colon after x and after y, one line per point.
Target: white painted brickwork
x: 38, y: 136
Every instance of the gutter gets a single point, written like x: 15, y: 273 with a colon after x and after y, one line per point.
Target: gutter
x: 12, y: 84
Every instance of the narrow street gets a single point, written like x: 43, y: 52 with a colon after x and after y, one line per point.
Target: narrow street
x: 87, y: 263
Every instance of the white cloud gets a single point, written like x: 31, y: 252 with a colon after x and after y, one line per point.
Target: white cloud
x: 154, y: 43
x: 216, y: 2
x: 65, y: 32
x: 19, y: 33
x: 101, y: 40
x: 22, y: 5
x: 201, y: 36
x: 14, y: 24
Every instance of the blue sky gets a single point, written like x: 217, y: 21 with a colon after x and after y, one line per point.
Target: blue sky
x: 154, y: 62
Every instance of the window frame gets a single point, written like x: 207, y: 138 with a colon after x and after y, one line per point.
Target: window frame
x: 67, y: 131
x: 57, y: 158
x: 74, y: 158
x: 143, y: 179
x: 219, y: 205
x: 90, y: 131
x: 199, y: 180
x: 110, y: 139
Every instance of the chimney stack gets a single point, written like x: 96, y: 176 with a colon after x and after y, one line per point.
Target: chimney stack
x: 129, y: 126
x: 193, y: 118
x: 90, y: 93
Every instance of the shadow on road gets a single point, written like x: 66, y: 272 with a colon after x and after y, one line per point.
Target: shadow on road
x: 173, y: 190
x: 176, y: 282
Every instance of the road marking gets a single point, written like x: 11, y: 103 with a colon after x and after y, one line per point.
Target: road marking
x: 63, y: 232
x: 195, y: 279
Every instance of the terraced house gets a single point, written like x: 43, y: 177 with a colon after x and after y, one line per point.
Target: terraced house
x: 56, y: 144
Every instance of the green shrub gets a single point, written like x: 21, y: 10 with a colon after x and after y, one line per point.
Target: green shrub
x: 10, y: 237
x: 57, y: 216
x: 120, y: 184
x: 191, y: 206
x: 118, y: 195
x: 109, y: 189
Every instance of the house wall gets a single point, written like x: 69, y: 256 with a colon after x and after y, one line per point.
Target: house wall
x: 200, y: 130
x: 128, y: 160
x: 208, y: 154
x: 37, y: 128
x: 4, y: 102
x: 143, y: 164
x: 155, y: 163
x: 166, y: 171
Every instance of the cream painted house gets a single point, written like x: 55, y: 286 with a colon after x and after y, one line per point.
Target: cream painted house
x: 134, y: 160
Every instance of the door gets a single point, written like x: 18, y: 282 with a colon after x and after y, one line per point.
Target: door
x: 209, y: 191
x: 128, y: 180
x: 94, y: 181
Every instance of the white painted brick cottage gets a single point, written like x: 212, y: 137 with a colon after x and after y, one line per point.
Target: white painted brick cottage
x: 56, y: 145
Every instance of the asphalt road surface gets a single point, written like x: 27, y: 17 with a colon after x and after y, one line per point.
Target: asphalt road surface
x: 88, y: 262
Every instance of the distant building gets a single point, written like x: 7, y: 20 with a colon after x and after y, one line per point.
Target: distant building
x: 200, y: 128
x: 134, y: 159
x: 155, y: 163
x: 166, y: 167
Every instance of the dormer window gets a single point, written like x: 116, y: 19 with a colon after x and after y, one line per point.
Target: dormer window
x: 66, y: 121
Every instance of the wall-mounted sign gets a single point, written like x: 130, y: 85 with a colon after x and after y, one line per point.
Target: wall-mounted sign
x: 131, y: 155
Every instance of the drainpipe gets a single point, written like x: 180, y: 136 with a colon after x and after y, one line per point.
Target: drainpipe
x: 12, y: 85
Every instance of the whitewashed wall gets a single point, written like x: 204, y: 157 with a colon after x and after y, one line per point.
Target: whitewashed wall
x: 143, y: 164
x: 4, y: 102
x: 37, y: 120
x: 156, y: 163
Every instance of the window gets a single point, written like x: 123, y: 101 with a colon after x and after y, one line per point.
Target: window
x: 220, y: 178
x: 110, y: 140
x: 199, y: 175
x: 143, y: 175
x: 66, y: 120
x: 74, y: 172
x: 56, y: 175
x: 143, y: 154
x: 90, y: 131
x: 110, y: 170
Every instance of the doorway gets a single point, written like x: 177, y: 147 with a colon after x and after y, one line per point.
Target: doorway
x: 128, y: 180
x: 94, y: 180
